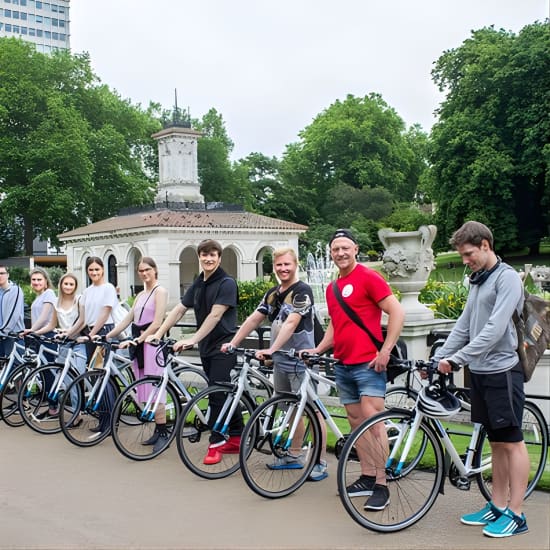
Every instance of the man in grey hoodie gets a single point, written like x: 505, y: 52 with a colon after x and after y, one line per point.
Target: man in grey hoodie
x: 484, y: 338
x: 12, y: 304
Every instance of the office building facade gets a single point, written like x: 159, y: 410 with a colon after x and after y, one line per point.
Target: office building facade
x: 45, y: 24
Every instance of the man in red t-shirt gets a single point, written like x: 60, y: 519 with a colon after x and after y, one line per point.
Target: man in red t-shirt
x: 361, y: 374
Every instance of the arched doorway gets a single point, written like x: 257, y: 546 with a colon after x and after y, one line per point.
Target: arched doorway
x: 112, y: 275
x: 229, y: 262
x: 189, y: 268
x: 264, y: 262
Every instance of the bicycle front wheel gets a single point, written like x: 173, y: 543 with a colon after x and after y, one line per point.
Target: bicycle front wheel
x: 42, y: 391
x: 85, y: 409
x: 197, y: 429
x: 278, y: 449
x: 535, y: 436
x: 10, y: 394
x: 413, y: 479
x: 133, y: 416
x: 400, y: 397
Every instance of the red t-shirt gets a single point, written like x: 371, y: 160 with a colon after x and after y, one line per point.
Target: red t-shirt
x: 362, y: 289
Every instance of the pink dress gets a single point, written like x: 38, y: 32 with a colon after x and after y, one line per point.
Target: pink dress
x: 144, y: 313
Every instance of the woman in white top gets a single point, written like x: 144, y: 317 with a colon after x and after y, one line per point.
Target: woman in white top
x: 65, y: 314
x: 96, y: 305
x: 42, y: 311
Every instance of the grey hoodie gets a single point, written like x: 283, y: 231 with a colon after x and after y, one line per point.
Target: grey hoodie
x: 13, y: 309
x: 484, y: 336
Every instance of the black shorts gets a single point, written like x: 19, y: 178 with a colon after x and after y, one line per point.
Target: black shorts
x: 497, y: 403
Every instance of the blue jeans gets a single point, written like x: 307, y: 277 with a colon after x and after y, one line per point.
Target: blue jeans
x: 355, y: 381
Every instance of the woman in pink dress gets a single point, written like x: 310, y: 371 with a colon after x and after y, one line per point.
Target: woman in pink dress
x: 146, y: 316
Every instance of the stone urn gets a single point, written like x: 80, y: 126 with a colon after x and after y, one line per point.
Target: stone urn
x: 408, y: 261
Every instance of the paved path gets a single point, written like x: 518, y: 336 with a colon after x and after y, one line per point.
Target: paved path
x: 55, y: 495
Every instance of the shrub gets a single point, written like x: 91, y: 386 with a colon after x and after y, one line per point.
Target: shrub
x: 447, y: 299
x: 250, y: 294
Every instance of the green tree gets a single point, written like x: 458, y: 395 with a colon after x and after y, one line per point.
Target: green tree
x: 490, y: 149
x: 71, y: 151
x: 358, y: 142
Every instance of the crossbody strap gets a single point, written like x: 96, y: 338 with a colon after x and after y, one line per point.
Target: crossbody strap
x: 145, y: 303
x: 353, y: 316
x: 14, y: 308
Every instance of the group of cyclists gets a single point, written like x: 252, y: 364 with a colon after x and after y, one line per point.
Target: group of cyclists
x: 483, y: 338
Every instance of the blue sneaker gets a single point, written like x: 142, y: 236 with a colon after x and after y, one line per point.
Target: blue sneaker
x: 287, y: 462
x: 487, y: 514
x: 506, y: 525
x: 319, y: 472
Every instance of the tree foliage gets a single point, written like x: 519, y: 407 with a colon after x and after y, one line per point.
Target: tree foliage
x: 71, y: 150
x: 490, y: 149
x: 360, y: 143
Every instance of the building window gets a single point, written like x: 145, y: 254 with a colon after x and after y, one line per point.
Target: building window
x: 47, y: 34
x: 62, y: 36
x: 16, y: 29
x: 23, y: 15
x: 15, y: 14
x: 62, y: 23
x: 23, y: 2
x: 23, y: 30
x: 55, y: 35
x: 32, y: 31
x: 8, y: 27
x: 39, y: 33
x: 55, y: 22
x: 38, y: 5
x: 39, y: 19
x: 7, y: 13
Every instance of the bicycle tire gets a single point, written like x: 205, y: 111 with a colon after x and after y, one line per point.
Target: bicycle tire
x: 10, y: 393
x: 82, y: 414
x: 535, y: 435
x: 193, y: 435
x: 412, y: 490
x: 257, y: 389
x: 132, y: 424
x: 400, y: 397
x: 33, y: 397
x: 265, y: 445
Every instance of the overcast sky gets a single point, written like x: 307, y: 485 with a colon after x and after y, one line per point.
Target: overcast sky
x: 270, y: 67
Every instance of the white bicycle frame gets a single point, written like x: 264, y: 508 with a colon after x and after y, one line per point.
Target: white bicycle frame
x: 19, y: 354
x: 464, y: 467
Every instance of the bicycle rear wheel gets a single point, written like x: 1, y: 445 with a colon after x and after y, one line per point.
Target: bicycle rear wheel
x: 134, y: 420
x: 196, y: 429
x: 85, y: 412
x: 535, y: 435
x: 413, y: 481
x: 274, y: 462
x: 10, y: 394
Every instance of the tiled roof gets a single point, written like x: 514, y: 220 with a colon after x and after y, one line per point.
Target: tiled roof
x: 187, y: 219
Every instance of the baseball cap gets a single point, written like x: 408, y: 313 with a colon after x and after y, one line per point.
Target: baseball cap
x: 343, y: 233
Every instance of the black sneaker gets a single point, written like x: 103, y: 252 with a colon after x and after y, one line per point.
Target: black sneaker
x: 363, y: 487
x: 47, y: 415
x: 161, y: 442
x: 379, y: 499
x: 153, y: 439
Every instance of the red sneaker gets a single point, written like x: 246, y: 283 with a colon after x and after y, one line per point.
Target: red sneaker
x: 231, y: 446
x: 213, y: 456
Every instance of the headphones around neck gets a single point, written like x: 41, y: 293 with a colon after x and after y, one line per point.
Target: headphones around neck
x: 479, y: 277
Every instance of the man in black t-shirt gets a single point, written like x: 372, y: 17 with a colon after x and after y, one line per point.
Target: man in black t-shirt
x: 213, y: 297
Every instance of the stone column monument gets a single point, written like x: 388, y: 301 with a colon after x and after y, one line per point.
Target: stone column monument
x: 178, y: 167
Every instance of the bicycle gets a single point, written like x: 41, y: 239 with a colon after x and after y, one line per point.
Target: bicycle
x: 43, y: 387
x: 416, y: 452
x: 22, y: 360
x: 287, y: 428
x: 238, y: 399
x: 86, y: 406
x: 133, y: 418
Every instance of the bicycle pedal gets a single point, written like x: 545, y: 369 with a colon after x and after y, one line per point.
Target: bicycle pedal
x: 463, y: 484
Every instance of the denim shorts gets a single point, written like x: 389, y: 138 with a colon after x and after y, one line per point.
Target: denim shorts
x: 355, y: 381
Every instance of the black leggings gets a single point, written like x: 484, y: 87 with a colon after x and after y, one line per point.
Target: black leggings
x: 218, y: 369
